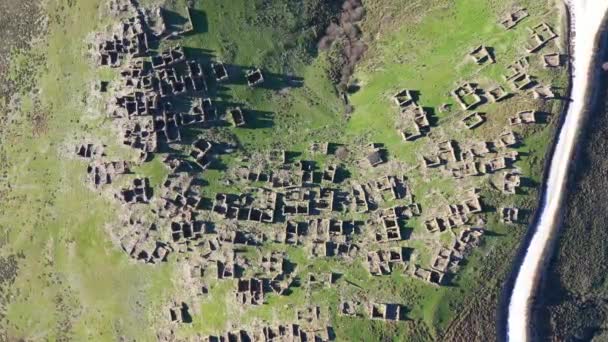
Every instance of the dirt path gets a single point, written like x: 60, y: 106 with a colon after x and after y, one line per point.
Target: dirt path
x: 587, y: 17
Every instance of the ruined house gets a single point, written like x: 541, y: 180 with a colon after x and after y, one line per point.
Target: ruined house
x: 254, y: 77
x: 389, y: 230
x: 296, y: 201
x: 329, y: 174
x: 552, y: 60
x: 386, y: 312
x: 467, y: 239
x: 201, y: 152
x: 447, y: 151
x: 277, y: 156
x: 347, y: 308
x: 236, y: 117
x: 434, y: 277
x: 382, y: 262
x: 543, y: 92
x: 495, y: 164
x: 404, y: 99
x: 179, y: 313
x: 140, y: 192
x: 509, y: 215
x: 473, y: 120
x: 103, y: 173
x: 431, y: 161
x: 482, y: 55
x: 540, y: 35
x: 506, y: 139
x: 88, y: 151
x: 522, y: 81
x: 321, y: 148
x: 360, y: 198
x: 413, y: 122
x: 517, y: 68
x: 309, y: 315
x: 295, y: 232
x: 498, y: 94
x: 169, y: 57
x: 466, y: 169
x: 220, y: 72
x: 467, y: 96
x: 344, y: 250
x: 511, y: 181
x: 376, y: 155
x: 142, y: 242
x: 442, y: 260
x: 523, y: 117
x: 251, y: 291
x: 514, y: 17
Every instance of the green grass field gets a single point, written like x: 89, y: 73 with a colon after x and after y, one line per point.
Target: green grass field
x: 72, y: 283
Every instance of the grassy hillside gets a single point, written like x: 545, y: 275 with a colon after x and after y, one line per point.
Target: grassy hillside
x: 67, y: 281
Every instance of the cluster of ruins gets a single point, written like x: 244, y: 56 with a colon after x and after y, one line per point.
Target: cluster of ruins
x: 473, y: 158
x: 413, y: 121
x: 285, y: 332
x: 284, y: 202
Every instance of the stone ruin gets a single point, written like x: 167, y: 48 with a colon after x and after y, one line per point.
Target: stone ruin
x: 347, y: 308
x: 404, y: 99
x: 382, y: 262
x: 497, y: 94
x: 319, y: 148
x: 386, y: 312
x: 140, y: 192
x: 552, y: 60
x: 467, y: 96
x: 142, y: 243
x: 482, y: 55
x: 509, y: 215
x: 540, y: 35
x: 523, y: 117
x: 522, y: 81
x: 251, y: 291
x: 89, y: 151
x: 520, y: 66
x: 543, y: 92
x: 286, y: 332
x: 511, y: 181
x: 456, y: 215
x: 506, y: 139
x: 220, y: 72
x: 376, y: 155
x: 473, y: 120
x: 416, y: 119
x: 447, y: 260
x: 466, y: 169
x: 517, y: 75
x: 103, y: 173
x: 179, y: 313
x: 433, y: 277
x: 254, y: 77
x: 236, y: 117
x: 201, y: 149
x: 412, y: 122
x: 473, y: 150
x: 513, y: 18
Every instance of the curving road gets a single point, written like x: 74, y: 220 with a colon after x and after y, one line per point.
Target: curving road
x: 586, y: 17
